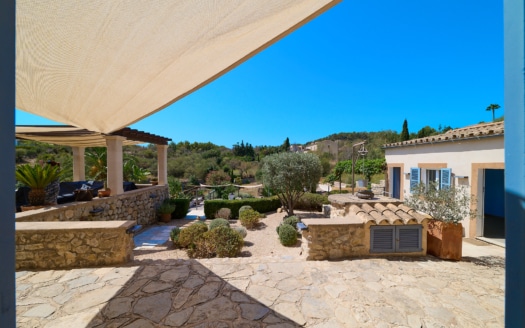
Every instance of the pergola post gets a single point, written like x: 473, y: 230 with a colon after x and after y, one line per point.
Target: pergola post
x: 514, y: 45
x: 79, y: 164
x: 162, y: 164
x: 114, y: 161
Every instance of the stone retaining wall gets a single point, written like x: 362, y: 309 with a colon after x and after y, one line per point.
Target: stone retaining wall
x: 137, y: 205
x: 334, y: 239
x: 342, y: 238
x: 58, y: 245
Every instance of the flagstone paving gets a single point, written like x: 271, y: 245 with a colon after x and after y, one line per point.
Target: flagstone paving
x: 268, y: 292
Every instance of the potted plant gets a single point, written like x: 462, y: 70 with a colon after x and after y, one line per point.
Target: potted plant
x: 447, y: 207
x: 154, y: 181
x: 105, y: 192
x: 37, y: 177
x: 164, y: 211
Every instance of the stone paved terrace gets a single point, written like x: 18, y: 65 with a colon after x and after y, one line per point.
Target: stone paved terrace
x: 271, y: 292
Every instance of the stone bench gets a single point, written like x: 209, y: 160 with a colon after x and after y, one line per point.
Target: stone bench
x: 76, y: 244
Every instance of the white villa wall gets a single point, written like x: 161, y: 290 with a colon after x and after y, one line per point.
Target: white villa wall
x: 485, y: 152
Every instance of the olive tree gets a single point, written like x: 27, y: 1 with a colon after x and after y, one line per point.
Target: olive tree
x: 290, y: 175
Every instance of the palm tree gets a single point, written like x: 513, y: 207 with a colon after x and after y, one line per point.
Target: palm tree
x: 493, y: 107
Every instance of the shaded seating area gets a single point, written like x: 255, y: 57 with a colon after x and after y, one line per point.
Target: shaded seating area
x: 67, y: 191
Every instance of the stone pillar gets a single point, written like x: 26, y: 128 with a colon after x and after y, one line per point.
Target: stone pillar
x: 162, y: 164
x: 114, y: 162
x: 79, y: 164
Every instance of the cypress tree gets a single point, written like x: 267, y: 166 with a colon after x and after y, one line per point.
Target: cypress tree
x: 404, y: 133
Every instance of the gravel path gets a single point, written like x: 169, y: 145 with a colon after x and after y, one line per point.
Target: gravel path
x: 260, y: 242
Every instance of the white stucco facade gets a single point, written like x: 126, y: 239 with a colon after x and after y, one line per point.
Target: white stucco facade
x: 466, y: 158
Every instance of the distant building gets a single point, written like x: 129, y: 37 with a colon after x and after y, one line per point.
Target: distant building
x: 296, y: 148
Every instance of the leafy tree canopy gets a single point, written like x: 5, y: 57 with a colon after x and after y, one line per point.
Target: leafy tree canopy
x: 290, y: 175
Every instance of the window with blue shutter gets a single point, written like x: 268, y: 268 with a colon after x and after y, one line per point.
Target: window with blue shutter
x: 446, y: 175
x: 415, y: 174
x: 395, y: 239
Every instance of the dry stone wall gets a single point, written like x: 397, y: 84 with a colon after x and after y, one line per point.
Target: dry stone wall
x: 58, y: 245
x: 335, y: 241
x: 136, y: 205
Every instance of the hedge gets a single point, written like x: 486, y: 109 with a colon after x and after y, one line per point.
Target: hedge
x: 311, y: 202
x: 182, y: 205
x: 261, y: 205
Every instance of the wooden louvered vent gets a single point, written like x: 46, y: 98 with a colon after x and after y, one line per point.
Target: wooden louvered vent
x: 395, y: 239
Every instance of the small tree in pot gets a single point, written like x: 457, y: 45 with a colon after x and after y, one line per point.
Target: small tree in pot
x: 164, y: 211
x: 447, y: 207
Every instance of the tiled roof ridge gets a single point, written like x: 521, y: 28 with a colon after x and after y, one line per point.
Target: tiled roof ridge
x: 389, y: 213
x: 468, y: 132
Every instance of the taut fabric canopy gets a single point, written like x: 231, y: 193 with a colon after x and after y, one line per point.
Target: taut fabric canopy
x: 102, y: 65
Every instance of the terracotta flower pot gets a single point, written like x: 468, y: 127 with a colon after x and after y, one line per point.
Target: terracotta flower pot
x: 445, y: 240
x: 104, y: 193
x: 165, y: 217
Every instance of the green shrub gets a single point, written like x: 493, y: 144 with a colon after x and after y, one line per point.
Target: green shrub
x: 287, y: 235
x: 244, y: 208
x: 241, y: 230
x: 261, y: 205
x: 174, y: 236
x: 292, y: 220
x: 217, y: 223
x: 224, y: 213
x: 228, y: 242
x: 188, y: 236
x: 219, y: 242
x: 311, y: 202
x: 250, y: 218
x: 182, y: 205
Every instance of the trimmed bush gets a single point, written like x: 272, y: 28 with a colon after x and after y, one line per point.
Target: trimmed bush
x: 224, y: 213
x: 311, y: 202
x: 174, y: 236
x: 217, y: 223
x: 182, y: 205
x: 219, y: 242
x: 287, y: 235
x: 292, y: 220
x: 261, y: 205
x: 250, y: 218
x: 244, y: 208
x: 188, y: 236
x: 241, y: 230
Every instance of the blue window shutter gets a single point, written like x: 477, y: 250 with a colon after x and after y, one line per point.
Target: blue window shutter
x: 445, y: 178
x: 415, y: 174
x: 382, y: 239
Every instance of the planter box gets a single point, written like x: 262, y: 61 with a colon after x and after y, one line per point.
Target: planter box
x: 445, y: 240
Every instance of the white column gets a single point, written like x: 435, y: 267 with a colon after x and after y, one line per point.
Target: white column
x: 79, y: 164
x: 162, y: 164
x: 114, y: 162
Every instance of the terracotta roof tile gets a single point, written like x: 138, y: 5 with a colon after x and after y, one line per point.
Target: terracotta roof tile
x: 386, y: 212
x: 469, y: 132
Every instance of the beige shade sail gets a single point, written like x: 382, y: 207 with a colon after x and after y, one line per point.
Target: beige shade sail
x: 102, y: 65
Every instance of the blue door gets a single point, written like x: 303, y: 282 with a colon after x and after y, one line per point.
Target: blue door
x: 396, y: 183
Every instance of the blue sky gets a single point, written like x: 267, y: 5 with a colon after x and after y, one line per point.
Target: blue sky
x: 361, y: 66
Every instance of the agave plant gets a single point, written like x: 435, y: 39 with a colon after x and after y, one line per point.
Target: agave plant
x: 37, y: 177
